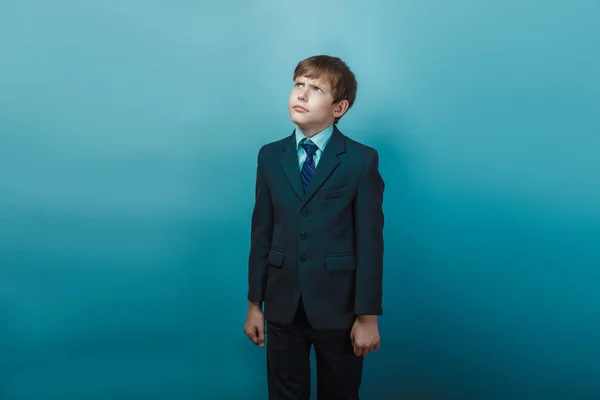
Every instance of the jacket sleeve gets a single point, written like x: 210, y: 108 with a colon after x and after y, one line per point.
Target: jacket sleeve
x: 368, y: 216
x: 260, y: 236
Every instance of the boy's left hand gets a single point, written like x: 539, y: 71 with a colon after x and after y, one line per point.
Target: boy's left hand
x: 365, y: 335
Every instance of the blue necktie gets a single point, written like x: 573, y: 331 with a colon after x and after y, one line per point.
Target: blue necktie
x: 308, y: 168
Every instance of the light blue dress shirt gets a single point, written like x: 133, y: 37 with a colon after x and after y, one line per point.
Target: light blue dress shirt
x: 320, y: 139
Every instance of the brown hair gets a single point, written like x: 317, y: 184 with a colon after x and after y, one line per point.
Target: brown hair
x: 342, y: 80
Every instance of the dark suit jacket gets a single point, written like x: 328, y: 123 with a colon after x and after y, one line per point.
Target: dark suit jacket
x: 325, y: 245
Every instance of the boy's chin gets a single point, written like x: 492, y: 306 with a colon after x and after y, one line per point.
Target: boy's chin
x: 297, y: 119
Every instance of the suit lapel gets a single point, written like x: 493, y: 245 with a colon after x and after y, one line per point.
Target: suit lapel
x: 327, y: 164
x: 289, y: 162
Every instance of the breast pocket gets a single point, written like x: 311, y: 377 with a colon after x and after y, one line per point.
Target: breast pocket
x: 329, y: 194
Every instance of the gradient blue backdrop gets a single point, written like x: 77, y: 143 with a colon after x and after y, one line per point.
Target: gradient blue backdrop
x: 128, y: 138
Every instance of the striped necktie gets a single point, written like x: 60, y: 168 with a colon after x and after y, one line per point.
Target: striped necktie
x: 308, y: 168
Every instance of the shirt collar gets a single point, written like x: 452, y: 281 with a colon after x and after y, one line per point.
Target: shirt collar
x: 320, y: 139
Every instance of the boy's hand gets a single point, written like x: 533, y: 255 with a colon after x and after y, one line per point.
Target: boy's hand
x: 254, y: 327
x: 365, y: 335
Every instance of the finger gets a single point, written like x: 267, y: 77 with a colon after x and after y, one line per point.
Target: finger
x: 365, y: 351
x: 357, y: 351
x: 253, y: 336
x: 377, y: 345
x: 369, y: 349
x: 261, y: 337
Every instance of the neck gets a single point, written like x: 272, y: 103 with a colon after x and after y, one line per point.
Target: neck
x: 310, y: 131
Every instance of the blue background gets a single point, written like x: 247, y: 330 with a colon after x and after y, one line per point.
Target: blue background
x: 128, y: 138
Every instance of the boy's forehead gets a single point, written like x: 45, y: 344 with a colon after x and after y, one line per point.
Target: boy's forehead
x: 316, y: 80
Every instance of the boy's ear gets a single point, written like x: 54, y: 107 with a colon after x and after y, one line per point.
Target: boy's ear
x: 340, y: 108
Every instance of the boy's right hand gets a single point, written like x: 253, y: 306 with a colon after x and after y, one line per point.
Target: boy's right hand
x: 254, y: 327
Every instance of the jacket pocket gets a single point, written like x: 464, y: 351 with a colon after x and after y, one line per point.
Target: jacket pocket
x: 328, y: 194
x: 340, y: 262
x: 276, y: 257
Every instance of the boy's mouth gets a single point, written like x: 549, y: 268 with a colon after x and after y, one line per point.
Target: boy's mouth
x: 300, y: 109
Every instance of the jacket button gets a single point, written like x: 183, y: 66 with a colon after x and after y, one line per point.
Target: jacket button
x: 302, y: 258
x: 303, y: 236
x: 304, y: 212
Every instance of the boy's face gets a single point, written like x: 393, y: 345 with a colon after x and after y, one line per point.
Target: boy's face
x: 311, y: 105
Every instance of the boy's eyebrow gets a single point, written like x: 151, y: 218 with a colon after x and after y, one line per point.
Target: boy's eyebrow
x: 321, y: 85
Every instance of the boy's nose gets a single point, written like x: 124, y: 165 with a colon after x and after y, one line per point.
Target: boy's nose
x: 302, y: 94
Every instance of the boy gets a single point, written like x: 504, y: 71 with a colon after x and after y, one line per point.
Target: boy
x: 316, y: 256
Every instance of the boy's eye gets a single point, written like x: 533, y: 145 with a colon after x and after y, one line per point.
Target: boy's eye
x: 317, y: 89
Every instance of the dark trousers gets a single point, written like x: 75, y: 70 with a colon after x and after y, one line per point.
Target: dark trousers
x: 339, y: 371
